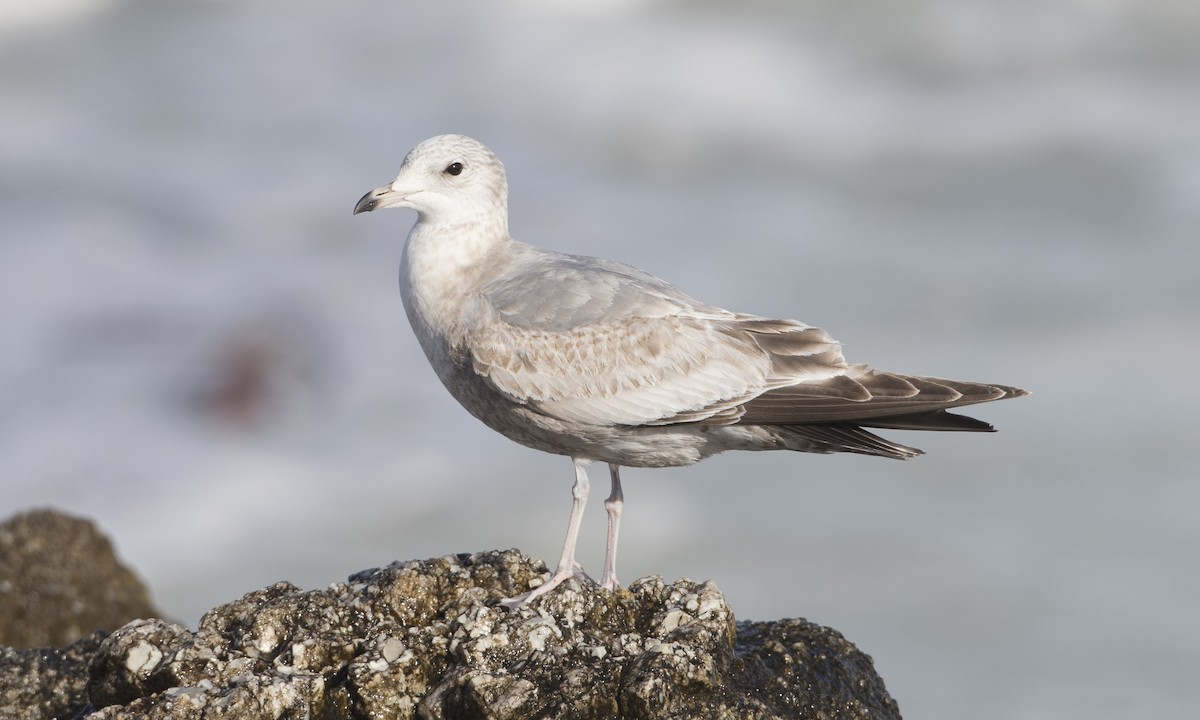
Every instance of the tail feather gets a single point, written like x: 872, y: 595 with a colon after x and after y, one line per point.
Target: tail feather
x: 844, y: 437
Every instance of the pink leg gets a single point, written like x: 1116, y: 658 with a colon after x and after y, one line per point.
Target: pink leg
x: 567, y: 567
x: 612, y: 505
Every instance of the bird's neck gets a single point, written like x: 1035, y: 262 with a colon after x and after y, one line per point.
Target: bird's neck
x: 442, y: 264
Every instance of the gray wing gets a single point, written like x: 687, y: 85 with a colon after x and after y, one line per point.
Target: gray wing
x: 555, y: 292
x: 592, y: 341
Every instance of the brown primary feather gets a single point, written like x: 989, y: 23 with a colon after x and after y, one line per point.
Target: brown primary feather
x: 939, y: 420
x: 833, y: 413
x: 868, y: 395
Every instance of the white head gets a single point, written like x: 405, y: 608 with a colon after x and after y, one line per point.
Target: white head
x: 448, y: 179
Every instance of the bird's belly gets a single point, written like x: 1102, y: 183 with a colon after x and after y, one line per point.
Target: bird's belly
x: 628, y: 446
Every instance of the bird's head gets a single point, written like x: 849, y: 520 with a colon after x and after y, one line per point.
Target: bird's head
x: 448, y: 178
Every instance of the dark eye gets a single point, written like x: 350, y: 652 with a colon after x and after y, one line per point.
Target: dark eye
x: 454, y: 168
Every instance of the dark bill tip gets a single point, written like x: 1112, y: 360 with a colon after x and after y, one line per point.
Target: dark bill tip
x: 367, y: 203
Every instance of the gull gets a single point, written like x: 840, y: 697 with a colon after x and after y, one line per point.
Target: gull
x: 600, y: 361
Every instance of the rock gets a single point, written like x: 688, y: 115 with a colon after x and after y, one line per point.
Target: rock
x: 426, y: 639
x: 60, y: 580
x: 47, y: 682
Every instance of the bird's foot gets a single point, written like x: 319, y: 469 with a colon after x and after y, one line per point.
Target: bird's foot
x: 609, y: 582
x: 560, y: 576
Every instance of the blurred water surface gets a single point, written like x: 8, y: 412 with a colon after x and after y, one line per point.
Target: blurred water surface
x: 207, y: 354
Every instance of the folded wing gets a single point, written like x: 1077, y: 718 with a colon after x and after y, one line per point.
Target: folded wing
x: 602, y: 343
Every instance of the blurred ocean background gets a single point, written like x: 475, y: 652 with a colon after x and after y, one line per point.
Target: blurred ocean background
x: 206, y: 353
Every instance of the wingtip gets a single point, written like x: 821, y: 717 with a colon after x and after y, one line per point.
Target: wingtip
x: 1011, y: 392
